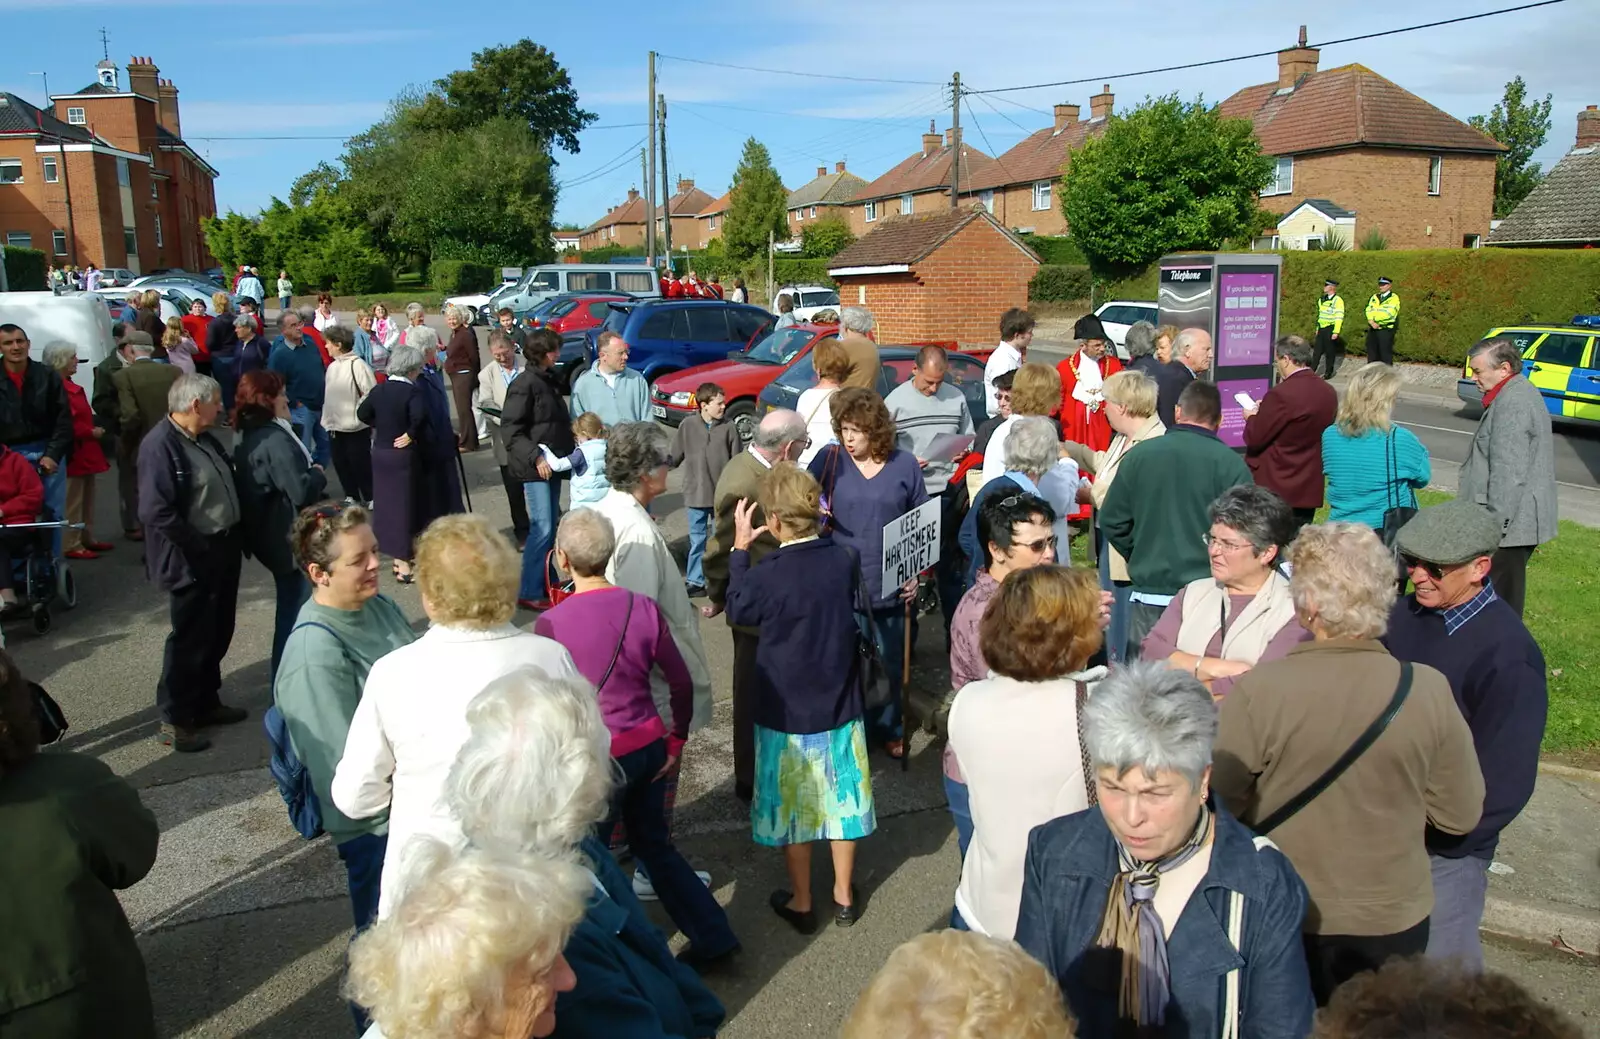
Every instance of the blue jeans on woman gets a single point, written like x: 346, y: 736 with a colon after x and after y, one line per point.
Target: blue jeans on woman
x: 543, y: 498
x: 640, y: 802
x: 363, y: 866
x: 1117, y: 631
x: 55, y: 489
x: 293, y: 591
x: 889, y: 622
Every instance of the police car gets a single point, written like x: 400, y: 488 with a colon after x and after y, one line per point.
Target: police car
x: 1562, y: 361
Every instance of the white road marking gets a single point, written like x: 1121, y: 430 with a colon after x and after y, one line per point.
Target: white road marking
x: 1440, y: 429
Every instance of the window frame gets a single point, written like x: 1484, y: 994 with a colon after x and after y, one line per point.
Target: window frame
x: 82, y: 117
x: 130, y: 241
x: 1278, y: 186
x: 155, y: 195
x: 124, y: 174
x: 986, y: 199
x: 908, y: 204
x: 51, y: 168
x: 24, y: 240
x: 8, y: 163
x: 1043, y: 193
x: 1561, y: 362
x: 58, y: 243
x: 1435, y: 174
x: 813, y: 212
x: 160, y: 242
x: 870, y: 210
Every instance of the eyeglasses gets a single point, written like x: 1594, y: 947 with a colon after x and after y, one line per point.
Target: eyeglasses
x: 1038, y: 547
x: 1210, y: 540
x: 1433, y: 570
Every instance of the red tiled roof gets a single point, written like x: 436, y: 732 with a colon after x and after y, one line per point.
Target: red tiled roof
x: 911, y: 239
x: 631, y: 212
x: 720, y: 206
x: 687, y: 203
x: 1348, y: 106
x: 1039, y: 156
x: 927, y: 172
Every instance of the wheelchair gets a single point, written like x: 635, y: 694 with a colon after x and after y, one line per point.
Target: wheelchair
x: 38, y: 577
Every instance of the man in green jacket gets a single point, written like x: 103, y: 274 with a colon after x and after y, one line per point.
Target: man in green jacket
x: 1156, y: 513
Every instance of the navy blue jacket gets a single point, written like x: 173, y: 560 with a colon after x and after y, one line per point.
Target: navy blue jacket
x: 1170, y: 380
x: 1065, y: 882
x: 629, y: 985
x: 1497, y: 675
x: 802, y: 599
x: 301, y: 367
x: 173, y: 550
x: 222, y: 339
x: 967, y: 538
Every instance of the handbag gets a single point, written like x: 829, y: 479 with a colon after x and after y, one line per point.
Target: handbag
x: 876, y: 690
x: 1396, y: 515
x: 830, y: 477
x: 1292, y: 807
x: 555, y: 589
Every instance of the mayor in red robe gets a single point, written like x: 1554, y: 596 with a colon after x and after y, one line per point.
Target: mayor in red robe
x: 1083, y: 406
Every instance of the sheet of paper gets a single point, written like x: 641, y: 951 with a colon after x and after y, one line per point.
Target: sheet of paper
x: 947, y: 447
x: 1245, y: 401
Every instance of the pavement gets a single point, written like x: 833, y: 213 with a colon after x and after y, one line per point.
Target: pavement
x: 244, y: 925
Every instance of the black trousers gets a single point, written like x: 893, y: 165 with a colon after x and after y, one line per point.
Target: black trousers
x: 462, y: 386
x: 1380, y: 345
x: 519, y: 504
x: 1326, y: 350
x: 744, y: 714
x: 203, y: 615
x: 1508, y: 570
x: 1303, y: 517
x: 352, y: 460
x: 1334, y: 959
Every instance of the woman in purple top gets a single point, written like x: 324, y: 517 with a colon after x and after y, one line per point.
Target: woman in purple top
x: 867, y: 483
x: 616, y: 638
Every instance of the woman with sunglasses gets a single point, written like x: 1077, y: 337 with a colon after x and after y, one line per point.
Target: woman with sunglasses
x: 1221, y: 626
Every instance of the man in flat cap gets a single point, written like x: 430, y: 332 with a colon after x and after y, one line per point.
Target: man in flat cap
x: 1454, y: 621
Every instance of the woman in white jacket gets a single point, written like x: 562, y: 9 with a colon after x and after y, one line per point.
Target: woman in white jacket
x: 348, y: 380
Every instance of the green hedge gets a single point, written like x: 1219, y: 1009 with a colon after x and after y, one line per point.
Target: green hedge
x: 607, y: 253
x: 1448, y: 297
x: 455, y: 277
x: 1053, y: 250
x: 358, y: 274
x: 1060, y: 283
x: 24, y: 269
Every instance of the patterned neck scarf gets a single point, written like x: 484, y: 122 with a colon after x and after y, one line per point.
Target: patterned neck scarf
x: 1132, y: 925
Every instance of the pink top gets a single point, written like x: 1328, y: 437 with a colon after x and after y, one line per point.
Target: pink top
x: 966, y: 656
x: 1162, y: 641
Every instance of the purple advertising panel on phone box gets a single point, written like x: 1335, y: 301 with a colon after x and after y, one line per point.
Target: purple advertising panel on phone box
x: 1231, y: 432
x: 1244, y: 317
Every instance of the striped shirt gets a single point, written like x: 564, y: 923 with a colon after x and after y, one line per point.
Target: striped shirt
x: 1358, y: 471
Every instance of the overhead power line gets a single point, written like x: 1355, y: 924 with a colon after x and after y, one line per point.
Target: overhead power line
x: 606, y: 168
x: 347, y: 136
x: 1105, y: 77
x: 807, y: 75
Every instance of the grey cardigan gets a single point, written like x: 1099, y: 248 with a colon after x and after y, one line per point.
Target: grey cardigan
x: 703, y: 451
x: 1511, y: 469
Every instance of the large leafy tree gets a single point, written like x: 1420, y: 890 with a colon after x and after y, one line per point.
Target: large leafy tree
x: 1168, y: 175
x: 757, y: 205
x: 825, y: 239
x: 1521, y: 125
x: 522, y: 82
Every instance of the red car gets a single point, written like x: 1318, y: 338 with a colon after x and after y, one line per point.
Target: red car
x: 578, y: 312
x: 742, y: 376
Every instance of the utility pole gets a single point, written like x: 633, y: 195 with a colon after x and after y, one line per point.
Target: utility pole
x: 955, y: 139
x: 666, y: 185
x: 650, y: 170
x: 772, y: 286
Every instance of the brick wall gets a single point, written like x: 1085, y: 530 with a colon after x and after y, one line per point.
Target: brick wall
x: 1388, y: 190
x: 627, y: 234
x: 935, y: 201
x: 1013, y: 206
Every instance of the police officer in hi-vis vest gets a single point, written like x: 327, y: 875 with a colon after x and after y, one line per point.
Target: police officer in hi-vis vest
x: 1383, y: 318
x: 1330, y: 324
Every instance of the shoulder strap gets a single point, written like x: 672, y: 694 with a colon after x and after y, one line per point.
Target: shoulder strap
x: 615, y: 653
x: 1083, y: 747
x: 344, y: 647
x: 1338, y: 768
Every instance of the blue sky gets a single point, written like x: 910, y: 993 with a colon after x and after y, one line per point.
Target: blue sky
x: 297, y: 68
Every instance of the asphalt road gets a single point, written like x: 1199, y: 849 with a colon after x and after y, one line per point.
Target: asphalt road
x: 1446, y: 430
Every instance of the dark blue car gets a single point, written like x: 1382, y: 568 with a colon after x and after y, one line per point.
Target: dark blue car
x: 673, y: 334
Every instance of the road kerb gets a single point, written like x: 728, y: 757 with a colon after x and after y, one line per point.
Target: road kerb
x: 1543, y: 923
x: 1552, y: 768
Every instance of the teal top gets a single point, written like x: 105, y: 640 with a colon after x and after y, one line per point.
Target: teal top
x: 320, y: 680
x: 1360, y: 489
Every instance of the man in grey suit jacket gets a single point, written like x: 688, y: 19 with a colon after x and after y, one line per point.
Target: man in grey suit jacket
x: 1511, y: 469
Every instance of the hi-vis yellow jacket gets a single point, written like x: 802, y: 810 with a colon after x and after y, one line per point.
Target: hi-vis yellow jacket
x: 1384, y: 311
x: 1330, y: 312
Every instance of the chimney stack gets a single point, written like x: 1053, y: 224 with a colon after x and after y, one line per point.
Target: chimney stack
x: 1589, y: 127
x: 142, y: 77
x: 822, y: 171
x: 1296, y: 62
x: 167, y: 106
x: 838, y: 167
x: 1100, y: 104
x: 931, y: 140
x: 633, y: 194
x: 1066, y: 115
x: 685, y: 185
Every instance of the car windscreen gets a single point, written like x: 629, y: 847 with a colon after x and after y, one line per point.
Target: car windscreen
x: 617, y: 320
x: 780, y: 347
x: 819, y: 299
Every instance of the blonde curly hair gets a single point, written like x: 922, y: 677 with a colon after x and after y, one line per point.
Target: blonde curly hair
x: 1344, y: 578
x: 467, y: 572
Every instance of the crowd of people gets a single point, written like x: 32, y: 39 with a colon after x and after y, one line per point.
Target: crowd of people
x: 1250, y: 766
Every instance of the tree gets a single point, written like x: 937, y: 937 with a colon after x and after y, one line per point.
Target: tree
x: 522, y: 82
x: 757, y: 205
x: 1521, y: 126
x: 825, y: 239
x: 1166, y: 176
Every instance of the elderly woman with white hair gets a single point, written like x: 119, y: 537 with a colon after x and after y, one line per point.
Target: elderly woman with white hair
x: 1033, y: 449
x: 1344, y: 756
x: 535, y: 775
x: 1157, y: 911
x: 416, y: 314
x: 473, y: 949
x: 461, y: 364
x: 412, y: 718
x: 85, y: 461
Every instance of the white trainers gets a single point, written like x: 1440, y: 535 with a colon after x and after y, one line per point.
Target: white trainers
x: 645, y: 891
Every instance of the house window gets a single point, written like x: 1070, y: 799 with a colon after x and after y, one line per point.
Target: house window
x: 1314, y: 242
x: 1264, y: 243
x: 907, y: 204
x: 58, y: 242
x: 130, y: 241
x: 1282, y: 182
x: 154, y: 194
x: 10, y: 171
x: 712, y: 224
x: 159, y: 242
x: 1041, y: 194
x: 1472, y: 241
x: 813, y: 212
x: 52, y: 172
x: 122, y: 173
x: 19, y: 239
x: 872, y: 211
x: 75, y: 116
x: 1435, y: 168
x: 987, y: 199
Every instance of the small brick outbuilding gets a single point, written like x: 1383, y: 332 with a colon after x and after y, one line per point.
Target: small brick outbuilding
x: 937, y: 277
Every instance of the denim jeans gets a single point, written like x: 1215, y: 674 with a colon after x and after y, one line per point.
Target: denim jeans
x: 363, y: 865
x: 1117, y: 631
x: 55, y: 488
x: 544, y: 508
x: 225, y: 370
x: 1460, y: 887
x: 640, y: 802
x: 955, y: 794
x: 311, y: 432
x: 293, y: 591
x: 699, y: 531
x: 884, y: 723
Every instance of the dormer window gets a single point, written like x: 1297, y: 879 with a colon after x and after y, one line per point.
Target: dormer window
x: 75, y: 116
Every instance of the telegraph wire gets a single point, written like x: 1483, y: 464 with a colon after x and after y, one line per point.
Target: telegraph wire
x: 808, y: 75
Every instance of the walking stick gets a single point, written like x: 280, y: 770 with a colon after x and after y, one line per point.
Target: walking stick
x: 466, y: 495
x: 905, y: 692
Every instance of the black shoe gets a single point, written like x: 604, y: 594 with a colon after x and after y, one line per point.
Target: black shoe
x: 696, y: 591
x: 222, y: 714
x: 805, y: 923
x: 691, y: 957
x: 744, y: 792
x: 846, y: 916
x: 183, y: 740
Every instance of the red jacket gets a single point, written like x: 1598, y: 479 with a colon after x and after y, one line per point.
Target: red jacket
x: 1283, y: 440
x: 87, y: 457
x: 195, y: 325
x: 673, y: 289
x: 21, y: 492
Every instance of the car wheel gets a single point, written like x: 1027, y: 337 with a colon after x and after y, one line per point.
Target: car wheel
x: 743, y: 416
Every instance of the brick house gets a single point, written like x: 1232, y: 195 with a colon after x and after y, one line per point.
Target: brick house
x: 1413, y: 172
x: 919, y: 184
x: 622, y: 225
x: 685, y: 205
x: 1564, y: 210
x: 824, y: 197
x: 1022, y: 186
x: 936, y: 276
x: 138, y: 192
x: 710, y: 219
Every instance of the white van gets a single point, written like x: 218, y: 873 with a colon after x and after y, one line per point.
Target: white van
x: 80, y: 319
x: 553, y: 279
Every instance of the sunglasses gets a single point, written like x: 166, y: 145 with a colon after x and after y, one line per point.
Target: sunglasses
x: 1433, y: 570
x: 1037, y: 547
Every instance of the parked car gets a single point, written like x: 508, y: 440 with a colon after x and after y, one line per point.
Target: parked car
x: 555, y: 279
x: 741, y: 375
x: 1562, y: 361
x: 964, y: 371
x: 574, y: 312
x: 172, y: 305
x: 1117, y: 314
x: 808, y: 299
x: 669, y: 335
x: 181, y: 291
x: 116, y: 277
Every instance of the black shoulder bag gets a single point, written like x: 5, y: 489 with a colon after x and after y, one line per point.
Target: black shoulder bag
x: 1293, y: 806
x: 627, y: 618
x: 876, y: 691
x: 1396, y: 515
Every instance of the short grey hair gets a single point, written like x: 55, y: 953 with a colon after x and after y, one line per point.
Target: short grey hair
x: 857, y: 319
x: 190, y: 390
x: 244, y: 321
x: 1498, y: 351
x: 405, y: 360
x: 1147, y: 716
x: 1140, y: 340
x: 415, y: 310
x: 144, y: 346
x: 778, y: 429
x: 588, y: 539
x: 459, y: 312
x: 632, y: 450
x: 1260, y: 516
x: 1032, y: 446
x: 1295, y: 349
x: 308, y: 314
x: 1186, y: 338
x: 535, y: 773
x: 423, y: 338
x: 59, y: 353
